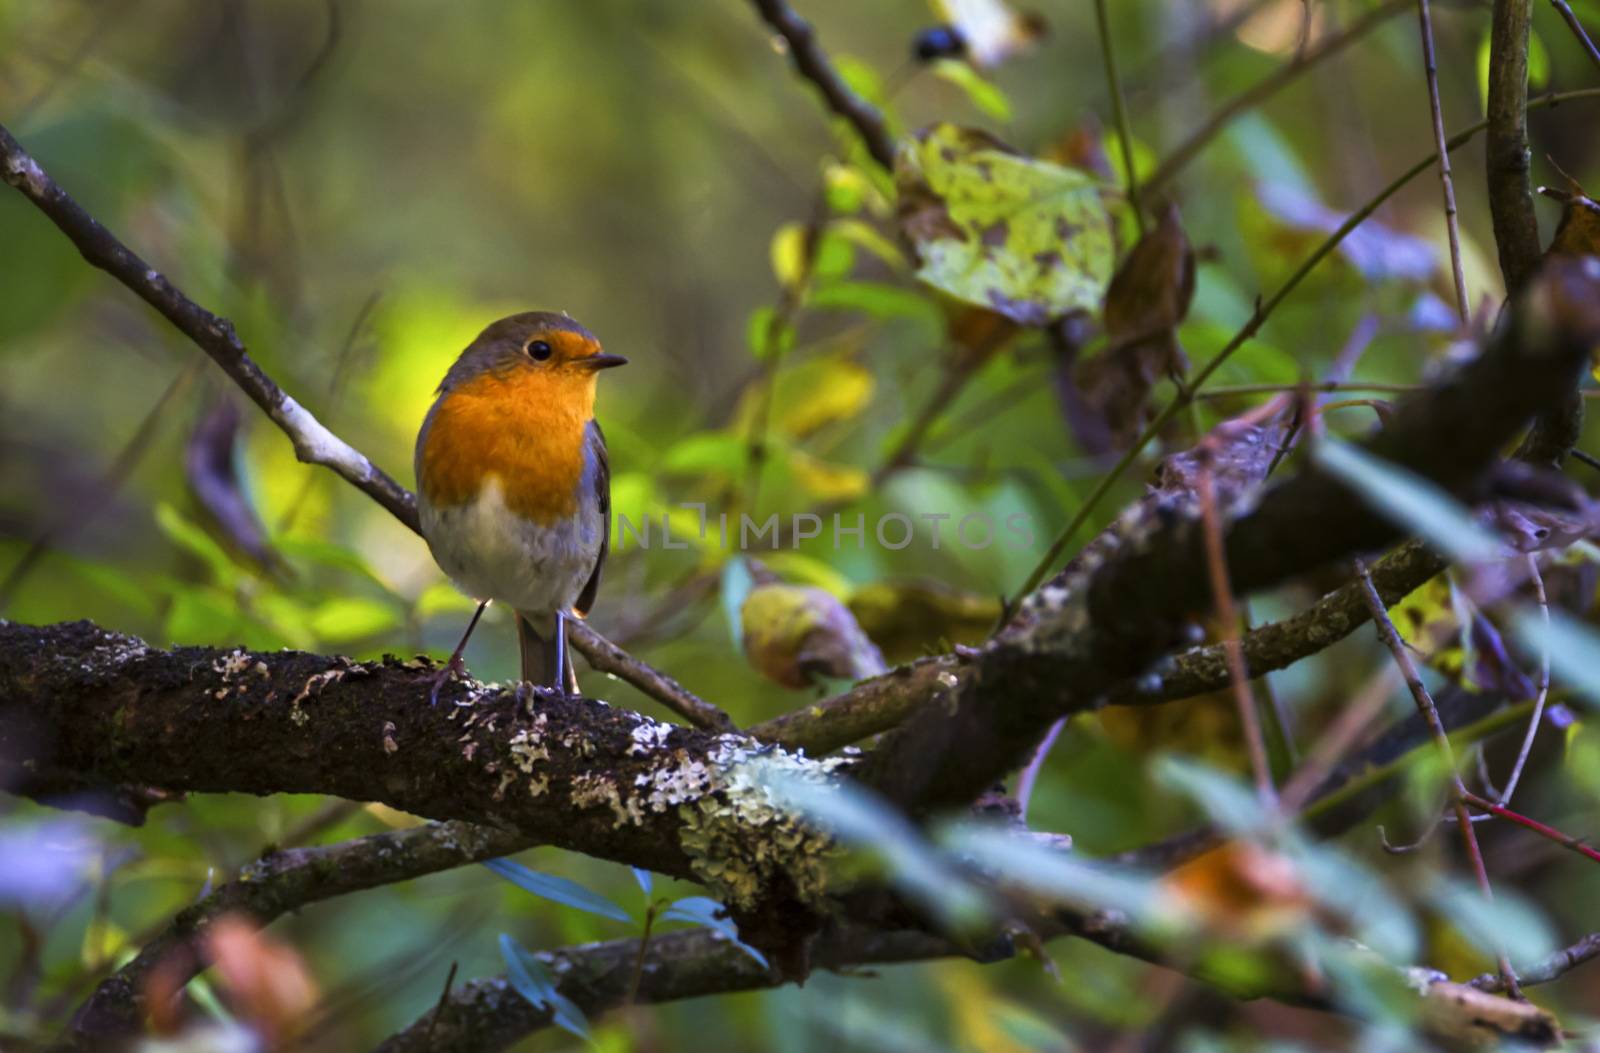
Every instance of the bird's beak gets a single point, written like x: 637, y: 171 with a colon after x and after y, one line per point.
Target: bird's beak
x: 601, y: 361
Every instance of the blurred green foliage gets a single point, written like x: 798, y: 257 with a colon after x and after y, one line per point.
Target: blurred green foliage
x: 656, y: 170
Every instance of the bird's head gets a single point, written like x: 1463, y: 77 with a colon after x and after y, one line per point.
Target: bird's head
x: 535, y: 344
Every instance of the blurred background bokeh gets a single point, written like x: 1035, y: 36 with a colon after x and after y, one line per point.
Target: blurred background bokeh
x: 361, y: 186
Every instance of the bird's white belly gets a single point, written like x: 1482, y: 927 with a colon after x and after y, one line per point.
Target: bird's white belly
x: 492, y: 553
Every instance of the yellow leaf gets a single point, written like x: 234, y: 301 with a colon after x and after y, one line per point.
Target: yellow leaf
x: 830, y: 390
x: 827, y: 481
x: 788, y: 253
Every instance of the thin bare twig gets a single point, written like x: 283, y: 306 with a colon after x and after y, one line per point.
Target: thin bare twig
x: 1436, y: 111
x: 1030, y: 775
x: 1544, y: 681
x: 1249, y: 329
x: 1544, y: 830
x: 1573, y: 24
x: 1119, y: 109
x: 1430, y: 713
x: 1270, y: 86
x: 1228, y: 615
x: 444, y: 1000
x: 606, y: 657
x: 1337, y: 740
x: 1552, y: 968
x: 813, y: 64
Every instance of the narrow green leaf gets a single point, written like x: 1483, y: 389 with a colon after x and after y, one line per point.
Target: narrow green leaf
x: 862, y: 820
x: 981, y: 92
x: 531, y: 979
x: 557, y: 889
x: 1509, y: 923
x: 1574, y: 649
x: 1410, y: 501
x: 702, y: 910
x: 1225, y: 799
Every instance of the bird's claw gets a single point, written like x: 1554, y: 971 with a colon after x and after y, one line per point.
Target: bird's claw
x: 453, y: 669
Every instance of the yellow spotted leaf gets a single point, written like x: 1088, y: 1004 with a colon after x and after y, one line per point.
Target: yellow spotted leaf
x: 1026, y: 238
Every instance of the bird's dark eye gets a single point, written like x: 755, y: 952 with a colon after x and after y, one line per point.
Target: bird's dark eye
x: 538, y: 349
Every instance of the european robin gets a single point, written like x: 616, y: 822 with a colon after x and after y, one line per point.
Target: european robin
x: 513, y: 485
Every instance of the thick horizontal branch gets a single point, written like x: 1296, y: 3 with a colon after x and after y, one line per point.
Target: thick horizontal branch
x: 273, y: 885
x: 80, y: 706
x: 882, y: 703
x: 487, y: 1015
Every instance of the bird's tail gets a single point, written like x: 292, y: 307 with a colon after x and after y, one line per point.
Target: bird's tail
x: 540, y: 654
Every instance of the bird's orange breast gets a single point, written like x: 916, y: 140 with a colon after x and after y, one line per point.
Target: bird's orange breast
x: 524, y: 428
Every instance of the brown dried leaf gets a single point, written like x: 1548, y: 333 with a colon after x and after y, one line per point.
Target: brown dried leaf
x: 1148, y: 298
x: 1578, y: 233
x: 265, y: 981
x: 1240, y: 888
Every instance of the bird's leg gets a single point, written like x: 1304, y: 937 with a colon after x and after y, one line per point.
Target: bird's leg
x: 455, y: 667
x: 559, y: 680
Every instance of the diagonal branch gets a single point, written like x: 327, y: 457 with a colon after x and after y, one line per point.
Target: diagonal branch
x: 812, y: 63
x: 1122, y: 602
x: 313, y: 442
x: 1269, y: 86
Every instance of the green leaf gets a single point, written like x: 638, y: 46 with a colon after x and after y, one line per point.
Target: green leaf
x: 865, y: 236
x: 1574, y: 649
x: 557, y: 889
x: 981, y: 92
x: 328, y: 554
x: 706, y: 451
x: 1225, y: 799
x: 766, y: 334
x: 878, y: 299
x: 1026, y: 238
x: 353, y: 618
x: 1053, y: 872
x: 859, y: 818
x: 1410, y: 501
x: 1377, y: 919
x: 443, y: 598
x: 701, y: 910
x: 1509, y: 923
x: 736, y: 585
x: 189, y: 536
x: 531, y: 979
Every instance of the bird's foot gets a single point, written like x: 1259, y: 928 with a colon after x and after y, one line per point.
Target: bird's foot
x: 527, y: 692
x: 453, y: 669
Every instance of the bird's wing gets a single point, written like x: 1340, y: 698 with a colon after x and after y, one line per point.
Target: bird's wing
x: 595, y: 440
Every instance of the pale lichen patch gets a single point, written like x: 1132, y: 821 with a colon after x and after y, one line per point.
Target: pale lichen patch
x: 739, y: 839
x: 648, y: 736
